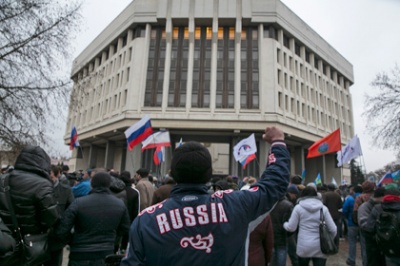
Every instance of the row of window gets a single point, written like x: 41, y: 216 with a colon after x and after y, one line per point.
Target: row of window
x: 312, y: 114
x: 201, y: 78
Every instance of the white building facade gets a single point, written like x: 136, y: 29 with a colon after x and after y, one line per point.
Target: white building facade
x: 213, y: 71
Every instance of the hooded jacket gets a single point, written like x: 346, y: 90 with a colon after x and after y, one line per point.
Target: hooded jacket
x: 32, y: 192
x: 306, y: 216
x: 195, y: 228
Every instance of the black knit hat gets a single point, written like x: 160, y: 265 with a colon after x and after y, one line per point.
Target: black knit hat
x: 191, y: 163
x: 101, y: 179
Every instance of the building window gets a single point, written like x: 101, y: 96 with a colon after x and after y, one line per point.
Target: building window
x: 286, y: 41
x: 249, y: 90
x: 225, y: 68
x: 155, y: 70
x: 202, y: 67
x: 297, y: 49
x: 270, y: 32
x: 179, y: 63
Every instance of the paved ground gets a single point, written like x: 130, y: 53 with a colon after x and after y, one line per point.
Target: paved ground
x: 335, y: 260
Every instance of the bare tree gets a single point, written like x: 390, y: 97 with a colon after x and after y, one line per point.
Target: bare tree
x: 34, y: 80
x: 382, y: 110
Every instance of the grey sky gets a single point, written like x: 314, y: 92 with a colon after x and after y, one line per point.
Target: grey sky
x: 363, y: 31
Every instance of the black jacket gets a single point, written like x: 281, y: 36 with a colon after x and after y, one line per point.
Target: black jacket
x: 32, y: 192
x: 279, y: 215
x: 97, y: 220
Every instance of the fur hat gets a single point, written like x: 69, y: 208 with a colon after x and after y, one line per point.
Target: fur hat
x: 101, y: 179
x: 191, y: 163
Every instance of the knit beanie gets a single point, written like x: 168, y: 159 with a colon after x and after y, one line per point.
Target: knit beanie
x: 191, y: 163
x: 101, y: 179
x: 292, y: 188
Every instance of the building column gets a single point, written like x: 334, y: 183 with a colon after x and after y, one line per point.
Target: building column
x: 110, y: 152
x: 92, y: 156
x: 263, y: 154
x: 298, y: 160
x: 133, y: 159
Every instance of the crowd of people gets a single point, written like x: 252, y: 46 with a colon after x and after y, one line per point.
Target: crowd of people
x: 189, y: 217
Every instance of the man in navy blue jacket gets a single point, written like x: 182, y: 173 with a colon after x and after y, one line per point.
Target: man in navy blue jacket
x: 195, y: 228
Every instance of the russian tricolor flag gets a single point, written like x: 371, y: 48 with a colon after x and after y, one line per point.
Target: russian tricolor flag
x: 138, y: 132
x: 159, y: 155
x: 247, y: 160
x: 74, y: 139
x: 386, y: 179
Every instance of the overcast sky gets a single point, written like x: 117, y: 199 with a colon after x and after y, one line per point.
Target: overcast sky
x: 365, y: 32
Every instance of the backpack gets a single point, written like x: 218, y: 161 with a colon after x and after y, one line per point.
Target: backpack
x: 388, y: 233
x: 8, y: 245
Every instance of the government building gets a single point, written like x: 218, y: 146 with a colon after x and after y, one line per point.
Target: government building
x: 213, y: 71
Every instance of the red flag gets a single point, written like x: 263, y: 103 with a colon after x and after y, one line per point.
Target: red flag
x: 329, y: 144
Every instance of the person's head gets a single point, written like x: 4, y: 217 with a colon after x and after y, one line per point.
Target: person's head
x: 358, y: 189
x: 101, y: 180
x: 87, y: 173
x: 65, y: 169
x: 34, y: 159
x: 368, y: 187
x: 292, y: 191
x: 221, y: 185
x: 169, y: 181
x: 126, y: 177
x: 296, y: 180
x: 351, y: 190
x: 331, y: 187
x: 141, y: 173
x: 309, y: 191
x: 191, y: 163
x: 313, y: 185
x: 379, y: 193
x: 54, y: 172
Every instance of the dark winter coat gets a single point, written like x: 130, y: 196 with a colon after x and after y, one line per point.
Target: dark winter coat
x: 333, y: 202
x: 97, y: 219
x: 32, y: 192
x: 279, y: 215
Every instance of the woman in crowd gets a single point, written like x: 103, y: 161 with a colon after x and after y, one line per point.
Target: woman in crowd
x: 306, y: 216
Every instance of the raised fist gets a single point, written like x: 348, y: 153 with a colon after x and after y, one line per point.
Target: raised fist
x: 273, y: 133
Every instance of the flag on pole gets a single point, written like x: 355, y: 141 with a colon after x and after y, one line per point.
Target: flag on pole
x: 334, y: 182
x: 244, y: 151
x: 350, y: 151
x: 74, y: 139
x: 158, y: 139
x: 138, y: 132
x: 386, y: 179
x: 303, y: 176
x: 328, y: 144
x: 180, y: 143
x: 318, y: 180
x: 396, y: 175
x: 159, y: 155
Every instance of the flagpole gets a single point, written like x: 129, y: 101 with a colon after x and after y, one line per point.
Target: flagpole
x: 83, y: 157
x: 323, y: 169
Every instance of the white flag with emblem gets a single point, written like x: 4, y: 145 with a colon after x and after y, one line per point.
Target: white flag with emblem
x: 245, y: 148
